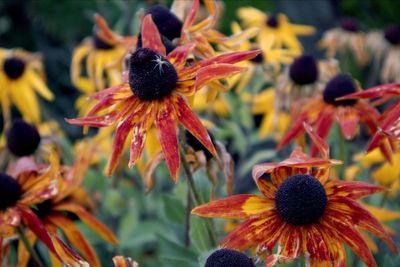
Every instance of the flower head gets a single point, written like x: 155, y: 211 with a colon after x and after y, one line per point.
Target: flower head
x: 22, y: 75
x: 152, y: 94
x: 303, y: 210
x: 22, y: 138
x: 26, y: 184
x: 228, y: 257
x: 321, y: 112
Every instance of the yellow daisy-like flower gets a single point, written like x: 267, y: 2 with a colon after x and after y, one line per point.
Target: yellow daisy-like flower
x: 346, y: 38
x: 21, y: 76
x: 276, y: 30
x: 273, y: 120
x: 387, y: 174
x: 219, y: 106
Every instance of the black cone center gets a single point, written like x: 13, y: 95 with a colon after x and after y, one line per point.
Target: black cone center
x: 169, y: 46
x: 101, y: 44
x: 151, y: 75
x: 10, y: 191
x: 392, y: 34
x: 228, y: 257
x: 272, y: 21
x: 14, y: 67
x: 22, y: 139
x: 304, y: 70
x: 167, y: 23
x: 301, y: 199
x: 340, y: 85
x: 349, y: 24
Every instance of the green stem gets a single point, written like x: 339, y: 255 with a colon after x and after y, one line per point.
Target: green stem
x: 29, y: 247
x: 342, y: 153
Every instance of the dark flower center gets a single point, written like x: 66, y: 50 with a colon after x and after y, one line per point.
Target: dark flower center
x: 169, y: 46
x: 301, y: 199
x: 349, y: 24
x: 10, y: 191
x: 151, y: 76
x: 257, y: 59
x: 304, y: 70
x: 340, y: 85
x: 228, y: 257
x: 272, y: 21
x: 101, y: 44
x: 14, y: 67
x: 167, y: 23
x: 197, y: 145
x: 22, y: 139
x: 392, y: 34
x: 43, y: 209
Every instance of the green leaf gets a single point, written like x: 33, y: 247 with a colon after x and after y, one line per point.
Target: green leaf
x: 174, y: 209
x: 198, y: 234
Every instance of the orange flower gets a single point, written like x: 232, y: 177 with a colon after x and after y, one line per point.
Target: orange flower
x: 153, y: 94
x: 55, y: 212
x: 320, y: 112
x: 302, y: 210
x: 388, y: 133
x: 25, y: 185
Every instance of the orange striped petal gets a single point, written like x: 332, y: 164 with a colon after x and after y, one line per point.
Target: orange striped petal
x: 351, y: 189
x: 191, y: 16
x: 166, y: 126
x: 89, y: 220
x: 151, y: 36
x: 192, y: 123
x: 255, y: 231
x: 179, y: 55
x: 215, y: 72
x: 235, y: 207
x: 290, y: 242
x: 322, y: 127
x: 349, y: 235
x: 361, y: 217
x: 76, y: 238
x: 319, y: 143
x: 295, y: 131
x: 266, y: 187
x: 120, y: 261
x: 137, y: 143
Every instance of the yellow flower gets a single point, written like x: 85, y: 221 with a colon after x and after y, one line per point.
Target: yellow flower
x: 218, y: 106
x: 387, y: 174
x: 273, y: 121
x: 276, y: 30
x: 21, y: 76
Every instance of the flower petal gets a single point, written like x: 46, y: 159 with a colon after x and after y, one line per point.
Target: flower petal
x: 192, y: 123
x: 348, y: 120
x: 235, y: 207
x: 351, y: 189
x: 151, y: 36
x: 166, y: 125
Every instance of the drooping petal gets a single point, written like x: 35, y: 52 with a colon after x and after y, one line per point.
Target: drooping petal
x: 352, y: 211
x: 319, y: 143
x: 377, y: 91
x: 137, y: 144
x: 89, y: 220
x: 290, y: 242
x: 351, y: 189
x: 75, y: 237
x: 166, y: 126
x: 55, y: 245
x: 235, y: 207
x: 191, y: 16
x: 151, y: 36
x: 294, y: 131
x: 348, y: 120
x: 322, y: 126
x: 193, y: 124
x: 256, y: 231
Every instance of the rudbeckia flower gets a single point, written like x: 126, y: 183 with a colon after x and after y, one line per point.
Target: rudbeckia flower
x: 388, y: 133
x: 303, y: 210
x: 103, y: 54
x: 273, y: 121
x: 152, y: 94
x: 343, y: 39
x: 321, y: 112
x: 22, y: 76
x: 25, y: 185
x: 384, y: 47
x: 304, y: 78
x: 55, y: 212
x: 22, y: 138
x: 276, y: 30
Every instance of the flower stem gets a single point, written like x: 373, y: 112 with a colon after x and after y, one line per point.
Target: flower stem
x: 29, y: 247
x: 342, y: 154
